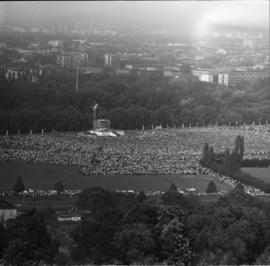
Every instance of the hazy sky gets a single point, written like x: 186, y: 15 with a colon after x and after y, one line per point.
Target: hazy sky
x: 198, y: 16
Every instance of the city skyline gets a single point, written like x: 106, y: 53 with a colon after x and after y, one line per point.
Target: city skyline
x: 191, y: 18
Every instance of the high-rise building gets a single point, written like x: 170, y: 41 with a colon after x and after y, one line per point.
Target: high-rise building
x: 235, y: 77
x: 66, y: 29
x: 55, y: 43
x: 223, y: 79
x: 263, y: 41
x: 7, y: 211
x: 60, y: 28
x: 250, y: 43
x: 207, y: 75
x: 72, y: 60
x: 112, y: 60
x: 84, y: 59
x: 64, y: 60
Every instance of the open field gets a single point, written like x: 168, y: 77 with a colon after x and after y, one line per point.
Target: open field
x: 262, y: 173
x: 140, y: 160
x: 57, y: 203
x: 45, y: 176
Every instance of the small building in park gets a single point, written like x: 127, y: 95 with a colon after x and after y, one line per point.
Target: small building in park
x: 7, y: 211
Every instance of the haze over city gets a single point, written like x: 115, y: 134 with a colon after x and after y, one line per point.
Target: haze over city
x: 192, y: 18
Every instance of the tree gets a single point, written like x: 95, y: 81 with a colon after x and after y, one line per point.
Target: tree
x: 167, y: 213
x: 93, y: 237
x: 185, y: 68
x: 3, y: 239
x: 61, y: 259
x: 242, y: 147
x: 19, y: 252
x: 205, y: 114
x: 211, y: 187
x: 205, y: 154
x: 176, y: 248
x: 133, y: 244
x: 28, y: 240
x: 141, y: 214
x: 173, y: 187
x: 128, y: 101
x: 237, y: 153
x: 141, y: 197
x: 18, y: 186
x: 239, y: 187
x: 59, y: 187
x: 227, y: 161
x: 95, y: 199
x: 211, y: 155
x: 264, y: 258
x: 172, y: 198
x: 49, y: 213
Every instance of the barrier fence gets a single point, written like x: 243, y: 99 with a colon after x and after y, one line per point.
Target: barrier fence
x: 159, y: 127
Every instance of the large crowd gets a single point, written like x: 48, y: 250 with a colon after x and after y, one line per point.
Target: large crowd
x: 233, y: 183
x: 165, y: 151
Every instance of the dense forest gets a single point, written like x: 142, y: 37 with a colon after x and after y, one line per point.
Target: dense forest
x: 129, y: 101
x: 137, y: 229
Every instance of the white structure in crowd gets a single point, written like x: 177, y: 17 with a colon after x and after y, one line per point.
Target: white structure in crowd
x: 101, y: 127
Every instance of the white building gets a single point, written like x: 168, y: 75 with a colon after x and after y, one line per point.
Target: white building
x: 13, y: 73
x: 112, y: 60
x: 223, y: 78
x: 69, y: 218
x: 7, y: 211
x: 56, y: 43
x: 205, y: 75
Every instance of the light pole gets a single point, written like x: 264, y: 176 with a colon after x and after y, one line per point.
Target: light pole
x: 77, y: 75
x: 94, y: 115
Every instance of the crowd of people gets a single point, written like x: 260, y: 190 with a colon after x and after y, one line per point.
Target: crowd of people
x: 231, y: 182
x: 164, y: 151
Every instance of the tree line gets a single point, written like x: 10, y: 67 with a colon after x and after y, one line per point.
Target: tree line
x: 172, y: 229
x: 19, y: 187
x: 128, y: 101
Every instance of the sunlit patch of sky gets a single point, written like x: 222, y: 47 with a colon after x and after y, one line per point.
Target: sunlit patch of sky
x: 198, y: 16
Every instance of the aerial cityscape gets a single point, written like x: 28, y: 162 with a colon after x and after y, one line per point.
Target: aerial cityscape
x: 224, y: 55
x: 134, y: 133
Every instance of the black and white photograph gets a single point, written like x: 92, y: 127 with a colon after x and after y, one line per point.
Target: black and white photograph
x: 134, y: 133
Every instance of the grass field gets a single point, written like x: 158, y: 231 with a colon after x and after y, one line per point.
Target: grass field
x: 60, y: 203
x: 45, y: 176
x: 262, y: 173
